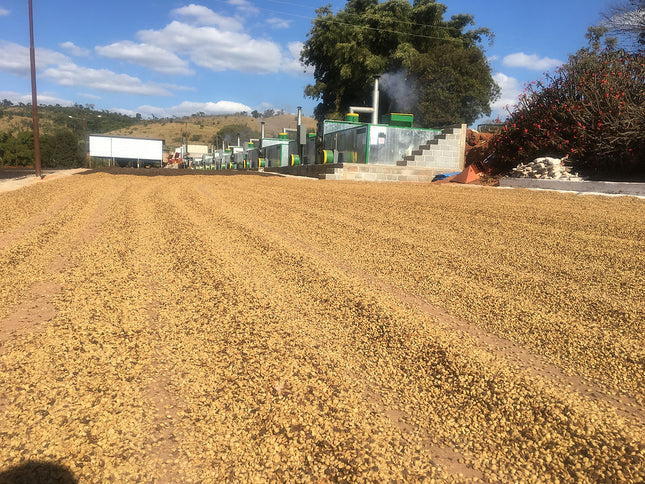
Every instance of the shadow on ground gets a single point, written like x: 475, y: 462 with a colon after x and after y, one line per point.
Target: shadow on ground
x: 37, y: 472
x: 9, y: 173
x: 173, y: 172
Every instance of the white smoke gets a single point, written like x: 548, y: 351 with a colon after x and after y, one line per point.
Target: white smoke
x: 401, y: 89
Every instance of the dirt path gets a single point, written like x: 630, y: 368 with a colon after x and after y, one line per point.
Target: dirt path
x: 239, y: 328
x: 24, y: 178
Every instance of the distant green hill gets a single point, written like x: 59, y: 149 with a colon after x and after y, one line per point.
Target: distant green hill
x: 76, y: 118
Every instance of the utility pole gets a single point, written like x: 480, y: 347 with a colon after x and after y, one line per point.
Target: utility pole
x: 86, y: 144
x: 34, y: 96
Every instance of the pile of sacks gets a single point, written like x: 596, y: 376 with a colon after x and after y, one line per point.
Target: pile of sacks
x: 545, y: 168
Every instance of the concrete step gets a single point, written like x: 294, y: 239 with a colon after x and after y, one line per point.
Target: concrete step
x: 331, y: 177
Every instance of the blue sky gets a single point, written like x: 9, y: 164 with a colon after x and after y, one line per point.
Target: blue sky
x: 171, y: 57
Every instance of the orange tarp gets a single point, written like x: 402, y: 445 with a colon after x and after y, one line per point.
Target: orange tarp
x: 469, y: 175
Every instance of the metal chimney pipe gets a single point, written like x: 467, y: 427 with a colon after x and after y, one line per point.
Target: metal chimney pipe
x: 300, y: 135
x: 262, y: 130
x: 375, y: 101
x: 360, y: 109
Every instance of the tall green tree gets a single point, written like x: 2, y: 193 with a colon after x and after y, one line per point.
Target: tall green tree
x: 230, y: 132
x: 66, y: 151
x: 61, y: 150
x: 438, y: 63
x: 17, y: 149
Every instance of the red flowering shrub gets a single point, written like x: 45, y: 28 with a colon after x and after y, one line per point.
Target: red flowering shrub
x: 592, y: 109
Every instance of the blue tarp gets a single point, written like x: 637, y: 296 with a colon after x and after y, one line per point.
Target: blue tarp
x: 443, y: 176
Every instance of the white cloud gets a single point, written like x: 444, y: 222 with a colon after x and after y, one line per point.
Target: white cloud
x: 151, y: 56
x: 50, y: 98
x: 43, y: 98
x: 186, y: 108
x: 70, y: 74
x: 176, y: 87
x: 245, y: 7
x: 278, y: 23
x: 291, y: 63
x: 4, y: 12
x: 209, y: 40
x: 216, y: 49
x: 510, y: 91
x: 533, y: 62
x: 127, y: 112
x: 200, y: 15
x: 74, y: 50
x: 14, y: 58
x: 59, y: 68
x: 89, y: 96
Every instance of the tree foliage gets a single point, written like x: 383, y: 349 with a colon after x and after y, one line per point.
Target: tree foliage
x: 18, y: 149
x: 64, y: 130
x: 63, y: 150
x: 596, y: 35
x: 58, y: 150
x: 77, y: 118
x: 229, y: 133
x: 440, y: 61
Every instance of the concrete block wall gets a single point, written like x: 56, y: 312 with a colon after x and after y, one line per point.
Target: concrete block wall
x: 380, y: 173
x: 360, y: 172
x: 444, y: 153
x: 311, y: 171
